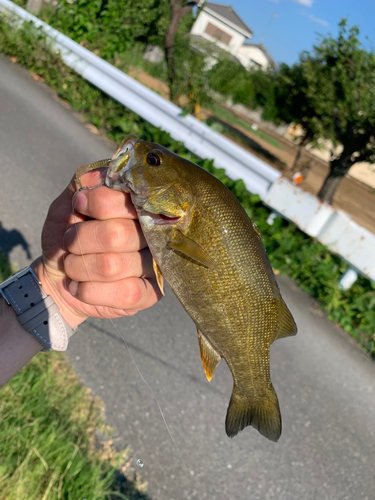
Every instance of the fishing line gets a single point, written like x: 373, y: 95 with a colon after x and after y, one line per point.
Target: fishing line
x: 141, y: 375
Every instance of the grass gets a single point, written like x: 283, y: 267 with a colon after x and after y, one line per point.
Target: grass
x: 229, y: 117
x: 54, y: 443
x: 5, y: 267
x: 48, y: 444
x: 135, y: 58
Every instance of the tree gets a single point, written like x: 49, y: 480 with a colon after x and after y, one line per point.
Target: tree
x: 231, y: 79
x: 109, y: 27
x: 284, y: 97
x: 342, y: 73
x: 294, y: 104
x: 179, y: 8
x: 330, y: 93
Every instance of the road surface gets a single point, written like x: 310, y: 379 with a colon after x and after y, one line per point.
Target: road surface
x: 325, y: 384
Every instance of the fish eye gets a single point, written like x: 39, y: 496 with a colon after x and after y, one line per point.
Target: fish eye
x: 153, y: 159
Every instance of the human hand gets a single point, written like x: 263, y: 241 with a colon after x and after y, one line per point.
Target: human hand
x: 95, y: 261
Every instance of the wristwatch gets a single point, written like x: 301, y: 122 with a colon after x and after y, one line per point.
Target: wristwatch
x: 36, y: 311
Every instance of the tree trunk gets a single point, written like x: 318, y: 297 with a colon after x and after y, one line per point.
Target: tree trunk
x: 177, y: 13
x: 102, y: 7
x: 301, y: 147
x: 341, y: 166
x: 338, y: 169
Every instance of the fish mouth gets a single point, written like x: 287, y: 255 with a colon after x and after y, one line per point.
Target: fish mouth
x: 159, y: 219
x: 121, y: 162
x: 118, y: 178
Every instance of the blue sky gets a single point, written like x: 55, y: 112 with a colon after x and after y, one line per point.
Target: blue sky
x: 286, y: 27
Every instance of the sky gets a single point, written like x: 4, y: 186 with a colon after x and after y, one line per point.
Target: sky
x: 287, y: 27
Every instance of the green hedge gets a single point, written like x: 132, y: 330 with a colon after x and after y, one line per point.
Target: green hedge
x: 290, y: 251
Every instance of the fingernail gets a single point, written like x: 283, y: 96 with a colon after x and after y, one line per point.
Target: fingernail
x: 73, y: 288
x: 80, y: 201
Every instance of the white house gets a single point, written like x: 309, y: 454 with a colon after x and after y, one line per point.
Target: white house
x: 255, y: 55
x: 221, y: 25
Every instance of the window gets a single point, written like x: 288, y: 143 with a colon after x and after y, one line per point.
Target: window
x: 218, y: 33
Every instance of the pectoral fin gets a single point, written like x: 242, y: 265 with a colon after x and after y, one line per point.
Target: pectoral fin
x: 159, y: 275
x: 87, y: 168
x: 286, y: 324
x: 191, y: 249
x: 210, y: 358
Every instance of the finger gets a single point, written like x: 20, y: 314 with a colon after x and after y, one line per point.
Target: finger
x: 130, y: 294
x: 113, y: 235
x: 109, y: 267
x: 103, y: 203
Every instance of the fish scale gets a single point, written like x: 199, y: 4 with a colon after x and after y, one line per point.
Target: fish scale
x: 211, y: 254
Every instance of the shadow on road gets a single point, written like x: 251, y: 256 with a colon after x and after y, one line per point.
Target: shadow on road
x: 127, y: 488
x: 9, y: 240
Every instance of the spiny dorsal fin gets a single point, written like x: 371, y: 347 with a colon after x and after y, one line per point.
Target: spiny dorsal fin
x: 210, y: 358
x: 286, y: 324
x: 159, y: 275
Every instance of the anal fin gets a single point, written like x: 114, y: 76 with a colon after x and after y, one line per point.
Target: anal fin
x: 286, y: 324
x: 210, y: 358
x: 159, y: 276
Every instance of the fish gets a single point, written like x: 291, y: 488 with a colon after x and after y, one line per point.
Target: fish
x: 211, y: 254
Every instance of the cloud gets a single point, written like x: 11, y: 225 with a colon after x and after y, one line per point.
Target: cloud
x: 306, y: 3
x: 317, y: 20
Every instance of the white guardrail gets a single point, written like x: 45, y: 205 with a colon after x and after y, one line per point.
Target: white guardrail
x: 333, y: 228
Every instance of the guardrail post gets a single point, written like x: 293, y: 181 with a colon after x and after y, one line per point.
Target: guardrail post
x: 348, y: 279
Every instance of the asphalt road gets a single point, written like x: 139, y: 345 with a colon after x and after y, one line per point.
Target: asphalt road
x: 325, y: 384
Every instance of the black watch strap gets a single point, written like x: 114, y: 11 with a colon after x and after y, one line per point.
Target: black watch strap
x: 36, y: 311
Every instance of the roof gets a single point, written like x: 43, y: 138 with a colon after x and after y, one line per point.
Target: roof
x: 227, y: 12
x: 264, y: 50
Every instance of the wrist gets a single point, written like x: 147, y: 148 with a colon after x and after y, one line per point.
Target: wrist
x: 17, y: 346
x: 55, y: 284
x: 36, y: 311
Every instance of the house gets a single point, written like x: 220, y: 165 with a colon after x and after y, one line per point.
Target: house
x: 255, y: 55
x: 222, y: 26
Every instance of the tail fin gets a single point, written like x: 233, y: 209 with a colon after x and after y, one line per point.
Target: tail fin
x: 264, y: 415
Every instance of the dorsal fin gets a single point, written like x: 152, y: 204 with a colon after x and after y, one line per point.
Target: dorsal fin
x: 286, y: 324
x: 210, y: 358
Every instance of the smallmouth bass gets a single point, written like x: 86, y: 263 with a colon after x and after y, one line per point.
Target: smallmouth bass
x: 211, y: 254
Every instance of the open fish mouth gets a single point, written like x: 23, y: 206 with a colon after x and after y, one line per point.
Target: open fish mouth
x: 160, y: 219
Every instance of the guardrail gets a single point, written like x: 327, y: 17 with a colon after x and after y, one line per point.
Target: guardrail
x: 333, y: 228
x: 197, y: 137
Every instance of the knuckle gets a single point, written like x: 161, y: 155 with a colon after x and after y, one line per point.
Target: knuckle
x: 108, y: 265
x: 115, y: 235
x: 133, y: 293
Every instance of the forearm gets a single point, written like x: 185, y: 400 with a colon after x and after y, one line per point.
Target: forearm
x: 17, y: 346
